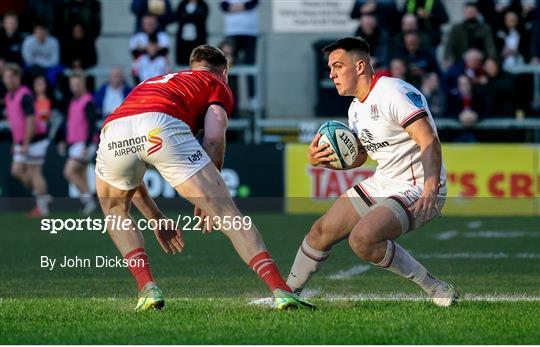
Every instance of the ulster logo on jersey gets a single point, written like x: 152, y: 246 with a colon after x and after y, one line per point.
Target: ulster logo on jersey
x: 368, y: 141
x: 415, y: 98
x: 374, y: 112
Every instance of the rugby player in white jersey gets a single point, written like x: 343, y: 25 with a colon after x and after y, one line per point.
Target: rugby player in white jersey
x: 395, y: 128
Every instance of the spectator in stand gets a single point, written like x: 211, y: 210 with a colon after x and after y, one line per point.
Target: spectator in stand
x: 139, y: 41
x: 41, y: 53
x: 409, y: 23
x: 493, y: 12
x: 528, y: 13
x: 431, y: 88
x: 84, y: 12
x: 79, y: 50
x: 377, y: 39
x: 161, y: 9
x: 112, y: 93
x: 497, y: 89
x: 398, y: 69
x: 29, y: 135
x: 471, y: 33
x: 535, y: 34
x: 431, y: 16
x: 465, y: 106
x: 80, y: 131
x: 419, y: 61
x: 471, y: 66
x: 150, y: 64
x: 11, y: 39
x: 192, y: 15
x: 513, y: 42
x: 49, y: 12
x: 385, y: 10
x: 242, y: 28
x: 43, y: 100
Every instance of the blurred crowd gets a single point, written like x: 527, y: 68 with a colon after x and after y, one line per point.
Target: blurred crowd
x: 51, y: 39
x: 48, y: 88
x: 467, y: 73
x: 470, y: 74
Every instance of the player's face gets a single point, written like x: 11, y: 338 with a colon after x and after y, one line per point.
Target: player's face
x: 76, y: 85
x: 343, y: 72
x: 11, y: 80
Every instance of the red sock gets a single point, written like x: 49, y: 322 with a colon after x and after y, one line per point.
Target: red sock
x: 141, y: 270
x: 266, y: 268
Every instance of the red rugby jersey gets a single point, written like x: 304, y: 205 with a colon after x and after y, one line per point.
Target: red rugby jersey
x: 185, y: 95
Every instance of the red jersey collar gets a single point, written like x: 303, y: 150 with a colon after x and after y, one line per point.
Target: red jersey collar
x: 374, y: 80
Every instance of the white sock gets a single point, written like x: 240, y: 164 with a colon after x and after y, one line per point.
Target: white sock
x: 86, y: 198
x: 307, y: 262
x: 400, y: 262
x: 42, y: 203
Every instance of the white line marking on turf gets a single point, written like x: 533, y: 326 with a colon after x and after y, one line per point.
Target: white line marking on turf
x: 446, y: 235
x: 528, y: 256
x: 475, y: 224
x: 464, y: 255
x: 269, y: 302
x: 491, y: 234
x: 353, y: 271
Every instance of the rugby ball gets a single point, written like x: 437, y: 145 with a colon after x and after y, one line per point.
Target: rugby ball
x: 342, y: 141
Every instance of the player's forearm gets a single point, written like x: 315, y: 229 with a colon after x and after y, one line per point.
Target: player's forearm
x: 216, y: 151
x: 145, y: 204
x: 29, y: 130
x: 431, y: 158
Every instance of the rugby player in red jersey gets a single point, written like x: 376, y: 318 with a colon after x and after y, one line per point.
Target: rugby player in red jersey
x: 155, y: 126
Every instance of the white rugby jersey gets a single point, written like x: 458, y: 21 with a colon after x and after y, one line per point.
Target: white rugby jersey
x: 380, y: 120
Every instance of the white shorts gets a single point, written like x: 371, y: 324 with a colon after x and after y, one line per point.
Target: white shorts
x: 76, y: 150
x: 35, y: 155
x: 128, y: 145
x: 397, y: 196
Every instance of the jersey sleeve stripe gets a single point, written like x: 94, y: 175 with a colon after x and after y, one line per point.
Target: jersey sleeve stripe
x: 420, y: 113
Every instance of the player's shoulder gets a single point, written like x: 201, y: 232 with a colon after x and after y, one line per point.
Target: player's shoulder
x: 392, y: 84
x: 398, y: 90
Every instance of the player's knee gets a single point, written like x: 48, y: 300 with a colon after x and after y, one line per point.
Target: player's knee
x: 68, y: 172
x: 116, y: 206
x: 362, y: 245
x: 17, y: 172
x: 320, y: 234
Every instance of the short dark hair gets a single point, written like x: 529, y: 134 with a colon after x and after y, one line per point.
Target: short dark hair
x: 78, y: 75
x: 349, y: 44
x: 210, y: 54
x: 10, y: 14
x: 471, y: 4
x: 13, y: 68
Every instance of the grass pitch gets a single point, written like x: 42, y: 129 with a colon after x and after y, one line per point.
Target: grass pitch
x: 493, y: 262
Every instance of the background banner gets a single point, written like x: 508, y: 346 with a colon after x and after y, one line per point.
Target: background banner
x: 487, y: 179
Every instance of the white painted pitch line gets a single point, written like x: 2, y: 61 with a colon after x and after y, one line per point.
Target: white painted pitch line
x: 475, y: 224
x: 496, y: 234
x: 269, y: 302
x: 466, y: 255
x: 446, y: 235
x: 353, y: 271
